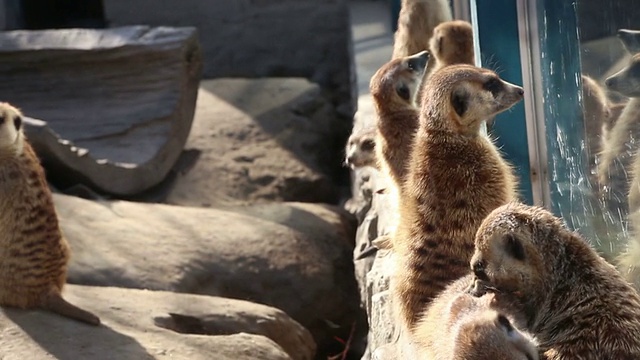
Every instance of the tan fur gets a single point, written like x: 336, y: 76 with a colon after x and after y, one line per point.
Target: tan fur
x: 33, y: 252
x: 459, y: 326
x: 416, y: 21
x: 621, y: 143
x: 452, y: 43
x: 576, y: 304
x: 456, y: 177
x: 360, y: 149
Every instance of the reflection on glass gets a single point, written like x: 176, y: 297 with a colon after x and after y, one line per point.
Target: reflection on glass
x: 610, y: 97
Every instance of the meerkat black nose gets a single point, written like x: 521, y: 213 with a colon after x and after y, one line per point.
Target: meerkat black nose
x: 520, y: 91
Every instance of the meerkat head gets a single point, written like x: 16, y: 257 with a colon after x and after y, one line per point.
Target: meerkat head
x: 630, y: 39
x: 398, y: 81
x: 10, y: 127
x: 515, y: 251
x: 491, y: 335
x: 459, y: 97
x: 627, y: 80
x: 452, y: 43
x: 360, y: 149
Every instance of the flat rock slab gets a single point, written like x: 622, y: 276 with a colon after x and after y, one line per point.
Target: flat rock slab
x: 296, y: 257
x: 140, y: 324
x: 118, y: 102
x: 260, y: 140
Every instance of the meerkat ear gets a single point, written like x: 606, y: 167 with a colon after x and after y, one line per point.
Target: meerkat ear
x: 403, y: 91
x: 460, y: 100
x: 514, y: 247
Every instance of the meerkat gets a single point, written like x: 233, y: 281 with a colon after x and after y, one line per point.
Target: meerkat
x: 456, y: 177
x: 33, y: 251
x: 575, y: 303
x: 360, y: 149
x: 451, y: 43
x: 620, y: 147
x: 630, y: 39
x: 459, y: 326
x: 416, y: 21
x: 394, y: 88
x: 596, y: 115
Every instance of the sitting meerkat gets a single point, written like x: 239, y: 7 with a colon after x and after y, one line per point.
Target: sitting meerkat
x: 459, y: 326
x: 456, y: 177
x: 33, y: 252
x: 360, y: 149
x: 576, y: 304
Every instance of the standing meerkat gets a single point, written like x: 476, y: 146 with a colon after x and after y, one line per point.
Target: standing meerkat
x: 456, y: 177
x: 452, y: 43
x: 394, y: 88
x: 416, y: 22
x: 459, y: 326
x: 621, y: 143
x: 33, y: 252
x: 596, y: 112
x: 576, y: 304
x: 360, y: 149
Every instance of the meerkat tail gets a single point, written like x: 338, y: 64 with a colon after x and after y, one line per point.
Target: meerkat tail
x: 58, y: 305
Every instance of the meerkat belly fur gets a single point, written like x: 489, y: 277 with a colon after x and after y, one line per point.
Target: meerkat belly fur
x: 456, y: 177
x: 459, y: 326
x: 33, y: 252
x: 576, y: 304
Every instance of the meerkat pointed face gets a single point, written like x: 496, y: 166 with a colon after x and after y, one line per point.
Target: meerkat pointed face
x: 398, y: 81
x: 474, y: 95
x: 627, y: 80
x: 10, y: 126
x: 630, y: 39
x: 491, y: 335
x: 360, y: 149
x: 452, y: 42
x: 506, y: 259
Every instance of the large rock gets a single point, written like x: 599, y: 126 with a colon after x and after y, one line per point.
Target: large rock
x: 296, y: 257
x: 140, y: 324
x: 261, y: 139
x: 249, y: 38
x: 118, y: 103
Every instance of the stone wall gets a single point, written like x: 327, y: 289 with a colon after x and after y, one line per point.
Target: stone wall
x: 259, y: 38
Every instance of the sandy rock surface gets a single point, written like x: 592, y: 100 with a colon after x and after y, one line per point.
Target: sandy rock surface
x: 141, y: 324
x: 296, y: 257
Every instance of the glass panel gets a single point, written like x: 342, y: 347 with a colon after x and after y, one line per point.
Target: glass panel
x: 590, y: 92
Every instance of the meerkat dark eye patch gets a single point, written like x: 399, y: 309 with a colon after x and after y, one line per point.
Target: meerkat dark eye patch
x: 368, y: 145
x: 505, y: 323
x: 478, y: 271
x: 460, y: 101
x: 514, y: 247
x: 493, y: 85
x: 403, y: 92
x: 17, y: 122
x: 2, y: 119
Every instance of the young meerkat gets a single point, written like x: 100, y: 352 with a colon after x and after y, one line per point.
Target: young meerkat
x: 33, y: 252
x: 416, y: 21
x: 456, y: 177
x: 360, y: 149
x: 576, y: 304
x: 459, y: 326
